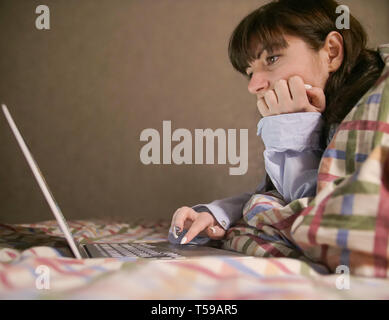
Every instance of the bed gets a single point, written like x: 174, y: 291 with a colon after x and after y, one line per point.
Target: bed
x: 29, y: 250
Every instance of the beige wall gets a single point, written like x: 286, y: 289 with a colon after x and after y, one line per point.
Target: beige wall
x: 83, y: 91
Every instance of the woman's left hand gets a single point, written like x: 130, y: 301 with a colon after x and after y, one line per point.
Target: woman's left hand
x: 291, y: 96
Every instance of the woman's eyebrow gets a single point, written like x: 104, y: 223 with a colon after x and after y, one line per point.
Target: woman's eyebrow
x: 259, y: 54
x: 269, y: 51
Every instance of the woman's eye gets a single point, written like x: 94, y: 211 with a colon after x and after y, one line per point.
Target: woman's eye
x: 271, y: 60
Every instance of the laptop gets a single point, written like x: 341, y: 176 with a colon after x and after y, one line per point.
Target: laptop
x: 160, y: 250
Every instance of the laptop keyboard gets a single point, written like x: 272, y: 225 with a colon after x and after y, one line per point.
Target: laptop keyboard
x: 141, y: 250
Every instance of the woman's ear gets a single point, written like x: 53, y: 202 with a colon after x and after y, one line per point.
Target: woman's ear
x: 334, y: 51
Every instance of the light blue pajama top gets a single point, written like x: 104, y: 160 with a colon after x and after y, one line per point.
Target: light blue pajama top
x: 292, y: 156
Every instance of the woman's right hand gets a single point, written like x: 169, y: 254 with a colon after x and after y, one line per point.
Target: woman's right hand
x: 197, y: 223
x: 291, y: 96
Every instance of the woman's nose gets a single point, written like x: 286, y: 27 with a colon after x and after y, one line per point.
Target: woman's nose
x: 257, y: 83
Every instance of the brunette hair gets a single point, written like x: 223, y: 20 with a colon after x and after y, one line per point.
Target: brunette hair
x: 312, y: 21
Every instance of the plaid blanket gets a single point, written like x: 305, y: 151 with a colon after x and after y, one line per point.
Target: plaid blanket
x: 347, y: 223
x: 33, y: 267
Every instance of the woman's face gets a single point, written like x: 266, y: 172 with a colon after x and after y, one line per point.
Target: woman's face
x: 295, y: 60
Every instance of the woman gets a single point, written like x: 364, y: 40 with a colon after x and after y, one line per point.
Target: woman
x: 307, y: 76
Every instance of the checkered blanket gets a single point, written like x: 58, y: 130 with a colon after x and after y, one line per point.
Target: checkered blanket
x: 347, y: 223
x: 32, y: 267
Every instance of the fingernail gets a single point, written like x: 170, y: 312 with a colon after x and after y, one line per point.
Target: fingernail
x: 183, y: 240
x: 213, y: 230
x: 308, y: 86
x: 176, y: 231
